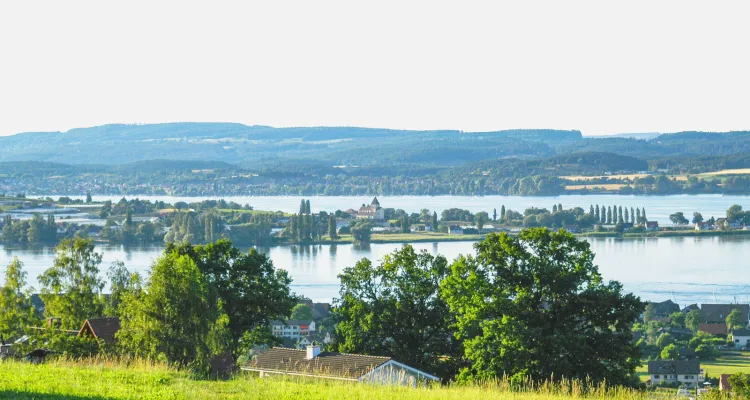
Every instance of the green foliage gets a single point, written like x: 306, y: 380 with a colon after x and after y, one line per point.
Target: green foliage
x: 71, y: 289
x: 535, y: 305
x: 693, y: 320
x: 121, y: 283
x: 678, y: 218
x: 677, y: 319
x: 735, y: 320
x: 16, y: 310
x: 740, y: 384
x: 174, y: 317
x: 302, y: 312
x: 361, y: 232
x: 664, y: 340
x: 397, y: 300
x: 669, y: 352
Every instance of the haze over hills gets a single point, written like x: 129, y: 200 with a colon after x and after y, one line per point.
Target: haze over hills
x: 263, y: 146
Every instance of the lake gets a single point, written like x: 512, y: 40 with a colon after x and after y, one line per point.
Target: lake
x: 686, y: 270
x: 658, y: 208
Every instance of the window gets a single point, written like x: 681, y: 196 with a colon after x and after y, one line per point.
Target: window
x: 656, y: 376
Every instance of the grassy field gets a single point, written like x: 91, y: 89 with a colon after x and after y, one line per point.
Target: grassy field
x: 728, y: 363
x: 104, y: 380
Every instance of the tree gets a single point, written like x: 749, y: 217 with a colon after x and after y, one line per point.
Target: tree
x: 740, y: 384
x: 121, y: 282
x: 481, y: 218
x: 632, y: 216
x: 643, y: 215
x: 494, y: 214
x: 361, y: 232
x: 609, y: 215
x: 627, y: 215
x: 693, y: 320
x: 697, y: 217
x: 405, y: 225
x: 16, y: 310
x: 620, y: 219
x: 332, y: 227
x: 596, y: 214
x: 71, y: 288
x: 664, y: 340
x: 735, y: 320
x: 206, y: 301
x: 677, y: 319
x: 172, y: 319
x: 734, y: 213
x: 502, y: 213
x: 88, y: 197
x: 539, y: 303
x: 397, y: 300
x: 554, y: 208
x: 669, y: 352
x: 638, y: 219
x: 678, y: 218
x: 302, y: 312
x: 434, y: 223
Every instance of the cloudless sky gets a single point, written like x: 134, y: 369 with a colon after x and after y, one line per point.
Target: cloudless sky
x: 599, y: 66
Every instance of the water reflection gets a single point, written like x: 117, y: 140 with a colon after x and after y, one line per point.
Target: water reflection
x: 684, y: 269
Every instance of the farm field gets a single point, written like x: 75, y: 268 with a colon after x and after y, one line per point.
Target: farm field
x: 728, y: 363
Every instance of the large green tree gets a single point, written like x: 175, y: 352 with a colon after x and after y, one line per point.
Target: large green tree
x: 16, y: 310
x: 173, y: 320
x: 121, y: 282
x: 693, y: 320
x: 251, y: 291
x: 535, y: 306
x: 394, y: 309
x: 735, y: 320
x: 71, y: 288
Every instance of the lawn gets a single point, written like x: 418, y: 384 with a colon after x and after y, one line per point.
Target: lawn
x: 100, y: 380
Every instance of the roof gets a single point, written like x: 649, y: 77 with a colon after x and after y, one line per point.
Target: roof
x: 665, y: 308
x: 674, y: 367
x: 321, y: 310
x: 714, y: 329
x: 719, y: 312
x: 741, y: 332
x: 101, y: 328
x: 375, y: 202
x: 291, y: 322
x: 724, y: 382
x: 326, y: 364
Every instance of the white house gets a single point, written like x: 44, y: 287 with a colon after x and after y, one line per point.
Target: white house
x: 685, y: 372
x: 741, y: 337
x: 293, y: 329
x: 373, y: 211
x: 313, y: 363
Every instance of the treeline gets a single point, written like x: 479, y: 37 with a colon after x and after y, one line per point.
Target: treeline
x: 36, y: 230
x: 204, y: 308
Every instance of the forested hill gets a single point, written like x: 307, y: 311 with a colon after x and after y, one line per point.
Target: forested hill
x: 253, y: 146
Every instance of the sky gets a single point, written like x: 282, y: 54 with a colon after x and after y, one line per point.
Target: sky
x: 601, y: 67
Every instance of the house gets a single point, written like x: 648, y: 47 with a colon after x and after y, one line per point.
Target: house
x: 373, y: 211
x: 321, y: 310
x: 689, y: 308
x: 662, y: 311
x: 717, y: 313
x: 741, y: 338
x: 313, y: 363
x: 685, y: 372
x: 651, y: 225
x: 714, y: 329
x: 721, y: 223
x: 704, y: 226
x: 103, y: 329
x: 293, y: 329
x: 677, y: 333
x: 455, y: 230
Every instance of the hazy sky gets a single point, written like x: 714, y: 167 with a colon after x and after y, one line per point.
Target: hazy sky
x: 640, y: 66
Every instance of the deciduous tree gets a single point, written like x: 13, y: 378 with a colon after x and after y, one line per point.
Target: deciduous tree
x: 536, y: 306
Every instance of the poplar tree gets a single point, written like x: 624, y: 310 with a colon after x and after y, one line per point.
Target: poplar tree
x: 627, y: 215
x: 434, y: 221
x: 332, y: 227
x: 597, y: 214
x: 502, y: 212
x: 632, y: 215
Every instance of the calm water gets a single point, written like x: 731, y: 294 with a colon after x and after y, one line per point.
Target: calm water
x: 682, y: 269
x: 658, y: 208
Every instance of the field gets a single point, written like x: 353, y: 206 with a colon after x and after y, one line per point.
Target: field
x: 100, y: 380
x: 728, y: 363
x: 585, y: 178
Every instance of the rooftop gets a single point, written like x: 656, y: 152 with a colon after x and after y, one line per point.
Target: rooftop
x: 674, y: 367
x: 326, y: 364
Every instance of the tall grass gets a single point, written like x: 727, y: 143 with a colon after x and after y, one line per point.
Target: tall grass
x: 100, y: 378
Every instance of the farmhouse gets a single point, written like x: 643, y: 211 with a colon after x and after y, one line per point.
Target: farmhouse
x: 686, y: 372
x: 717, y: 313
x: 313, y: 363
x: 103, y: 329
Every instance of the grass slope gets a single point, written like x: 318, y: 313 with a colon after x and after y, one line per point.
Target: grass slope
x: 105, y: 380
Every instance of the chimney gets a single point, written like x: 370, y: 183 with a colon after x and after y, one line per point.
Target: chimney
x: 313, y: 351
